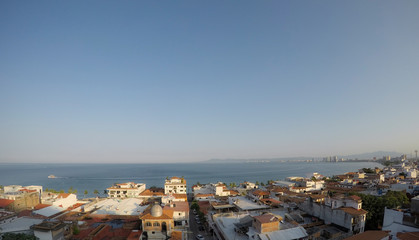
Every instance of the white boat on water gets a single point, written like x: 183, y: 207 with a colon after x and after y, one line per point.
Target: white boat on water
x: 52, y: 176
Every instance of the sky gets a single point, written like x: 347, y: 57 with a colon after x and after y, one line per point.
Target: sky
x: 184, y: 81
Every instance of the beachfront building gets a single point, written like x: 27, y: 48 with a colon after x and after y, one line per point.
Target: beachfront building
x: 126, y: 190
x: 175, y: 185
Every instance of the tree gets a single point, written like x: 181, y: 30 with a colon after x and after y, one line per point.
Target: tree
x: 76, y: 230
x: 257, y: 183
x: 375, y: 206
x: 85, y: 193
x: 62, y: 191
x: 70, y: 190
x: 368, y: 170
x: 262, y: 184
x: 96, y: 192
x: 195, y: 205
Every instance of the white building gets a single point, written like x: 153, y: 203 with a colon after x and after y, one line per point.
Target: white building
x: 397, y: 222
x: 175, y: 185
x: 65, y: 200
x: 49, y: 230
x: 126, y: 190
x: 344, y: 212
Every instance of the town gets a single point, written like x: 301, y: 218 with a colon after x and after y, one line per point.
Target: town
x: 380, y: 203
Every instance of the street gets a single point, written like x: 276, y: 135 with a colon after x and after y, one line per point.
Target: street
x: 194, y: 228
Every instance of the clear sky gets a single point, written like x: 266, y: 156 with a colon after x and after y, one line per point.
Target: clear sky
x: 167, y: 81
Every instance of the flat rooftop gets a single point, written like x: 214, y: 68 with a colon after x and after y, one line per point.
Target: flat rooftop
x: 225, y: 223
x: 245, y: 204
x: 129, y: 206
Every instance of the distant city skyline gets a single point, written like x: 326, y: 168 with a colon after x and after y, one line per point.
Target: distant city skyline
x: 186, y: 81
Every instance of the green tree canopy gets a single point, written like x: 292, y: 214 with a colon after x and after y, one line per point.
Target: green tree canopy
x: 375, y: 206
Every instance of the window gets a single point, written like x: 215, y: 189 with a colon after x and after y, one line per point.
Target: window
x: 156, y: 224
x: 148, y: 224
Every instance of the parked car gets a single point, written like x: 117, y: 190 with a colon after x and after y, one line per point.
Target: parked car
x: 200, y: 237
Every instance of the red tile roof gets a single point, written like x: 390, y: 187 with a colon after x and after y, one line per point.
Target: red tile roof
x: 355, y: 198
x: 271, y: 201
x: 27, y: 190
x: 266, y: 218
x: 5, y: 202
x: 353, y: 211
x: 63, y: 195
x: 180, y: 196
x: 204, y: 195
x: 408, y: 235
x: 176, y: 235
x: 204, y: 206
x: 167, y: 214
x: 370, y: 235
x: 135, y: 235
x: 178, y: 206
x: 41, y: 206
x: 260, y: 193
x: 234, y: 192
x: 148, y: 192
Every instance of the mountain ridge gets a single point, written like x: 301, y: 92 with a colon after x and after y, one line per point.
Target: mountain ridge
x: 362, y: 156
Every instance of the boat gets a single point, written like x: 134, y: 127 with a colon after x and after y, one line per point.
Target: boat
x: 52, y: 176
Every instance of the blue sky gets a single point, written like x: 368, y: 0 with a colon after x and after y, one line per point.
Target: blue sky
x: 155, y: 81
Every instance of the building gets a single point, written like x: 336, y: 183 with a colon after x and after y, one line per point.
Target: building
x: 157, y: 223
x: 152, y: 193
x: 266, y: 223
x: 345, y: 212
x: 22, y: 200
x: 49, y: 230
x: 180, y: 213
x: 268, y: 226
x: 126, y: 190
x: 175, y: 185
x: 399, y: 221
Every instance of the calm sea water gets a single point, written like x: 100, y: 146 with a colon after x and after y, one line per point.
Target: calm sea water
x: 100, y: 176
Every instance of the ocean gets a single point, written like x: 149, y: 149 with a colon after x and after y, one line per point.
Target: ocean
x: 92, y: 177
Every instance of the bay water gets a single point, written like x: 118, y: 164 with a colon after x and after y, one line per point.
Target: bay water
x: 92, y: 177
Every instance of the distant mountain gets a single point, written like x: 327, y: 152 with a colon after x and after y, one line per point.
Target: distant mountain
x: 362, y: 156
x: 233, y: 160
